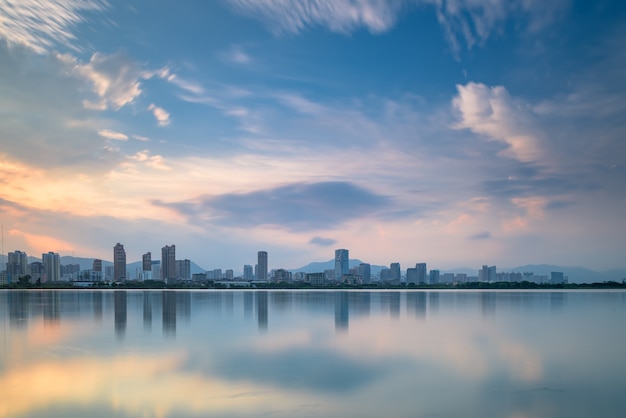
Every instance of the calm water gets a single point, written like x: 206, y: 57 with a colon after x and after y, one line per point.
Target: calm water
x: 312, y: 354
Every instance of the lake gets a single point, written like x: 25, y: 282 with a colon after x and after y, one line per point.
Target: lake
x: 312, y: 353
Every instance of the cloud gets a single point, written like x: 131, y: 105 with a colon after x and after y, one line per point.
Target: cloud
x: 141, y: 138
x: 107, y: 133
x: 493, y: 113
x: 42, y: 24
x: 474, y: 21
x: 298, y: 206
x: 464, y: 21
x: 161, y: 115
x: 237, y: 55
x: 324, y: 242
x: 115, y: 79
x: 343, y: 16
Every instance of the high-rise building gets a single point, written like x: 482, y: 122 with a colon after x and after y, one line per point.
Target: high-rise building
x: 395, y: 272
x: 342, y: 263
x: 421, y: 273
x: 119, y: 262
x: 51, y: 267
x: 168, y: 262
x: 411, y: 276
x: 434, y: 276
x: 229, y: 274
x: 262, y: 265
x: 17, y: 266
x: 247, y: 272
x: 183, y: 269
x: 97, y: 265
x: 365, y: 271
x: 146, y: 261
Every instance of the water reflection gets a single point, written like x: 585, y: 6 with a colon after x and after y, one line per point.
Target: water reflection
x: 119, y: 300
x: 469, y: 354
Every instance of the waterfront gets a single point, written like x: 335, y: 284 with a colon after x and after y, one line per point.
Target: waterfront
x: 312, y: 353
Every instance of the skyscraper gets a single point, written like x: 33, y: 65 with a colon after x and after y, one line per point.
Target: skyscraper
x: 365, y: 271
x: 247, y: 272
x: 183, y: 269
x: 51, y: 267
x: 146, y: 261
x: 262, y: 265
x: 119, y: 262
x: 341, y: 263
x: 434, y: 276
x: 168, y: 262
x: 17, y: 265
x: 421, y: 273
x: 97, y: 265
x: 395, y: 272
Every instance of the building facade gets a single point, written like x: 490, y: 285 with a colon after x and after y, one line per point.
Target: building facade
x: 51, y: 267
x: 342, y: 263
x: 262, y: 265
x: 168, y: 262
x: 119, y: 262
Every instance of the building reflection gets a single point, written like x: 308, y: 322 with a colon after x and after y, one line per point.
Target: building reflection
x: 18, y: 309
x: 168, y: 302
x: 394, y: 304
x: 51, y: 307
x: 248, y: 304
x: 120, y: 313
x: 341, y: 312
x: 433, y: 302
x: 416, y: 303
x: 261, y: 309
x: 557, y: 301
x: 183, y: 306
x: 488, y: 305
x: 97, y: 306
x: 147, y: 311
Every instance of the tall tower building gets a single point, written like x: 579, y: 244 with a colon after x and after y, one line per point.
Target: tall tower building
x: 365, y: 271
x: 97, y: 265
x: 262, y: 265
x: 341, y: 263
x: 51, y: 267
x: 119, y: 262
x: 168, y: 262
x: 421, y: 273
x: 247, y: 272
x: 396, y: 275
x: 146, y: 262
x: 17, y: 265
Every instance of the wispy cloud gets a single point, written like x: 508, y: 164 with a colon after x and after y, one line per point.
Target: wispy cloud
x: 42, y: 24
x: 116, y: 79
x: 293, y: 16
x: 161, y: 115
x: 109, y: 134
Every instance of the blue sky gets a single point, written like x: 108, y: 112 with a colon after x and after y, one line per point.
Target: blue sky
x: 457, y: 133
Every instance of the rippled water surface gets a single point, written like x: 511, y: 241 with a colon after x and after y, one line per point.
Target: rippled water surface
x: 312, y: 354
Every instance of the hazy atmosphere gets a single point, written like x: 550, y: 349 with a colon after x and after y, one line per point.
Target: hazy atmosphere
x: 457, y: 133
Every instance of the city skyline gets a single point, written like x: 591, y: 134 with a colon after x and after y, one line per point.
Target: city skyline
x: 403, y: 130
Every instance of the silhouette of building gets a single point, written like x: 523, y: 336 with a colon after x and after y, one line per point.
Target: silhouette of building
x: 146, y: 261
x: 17, y: 266
x: 421, y: 273
x: 97, y: 265
x: 262, y: 265
x: 411, y: 275
x: 119, y: 262
x: 434, y: 277
x: 168, y: 262
x: 365, y: 271
x: 248, y: 274
x: 342, y: 263
x: 183, y: 269
x: 395, y: 272
x: 51, y: 267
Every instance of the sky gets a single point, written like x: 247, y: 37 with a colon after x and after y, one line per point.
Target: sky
x: 453, y: 132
